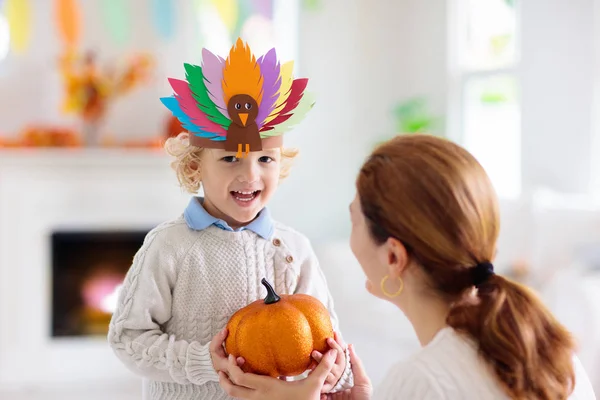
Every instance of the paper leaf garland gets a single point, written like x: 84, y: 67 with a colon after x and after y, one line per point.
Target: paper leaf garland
x: 18, y: 15
x: 163, y: 13
x: 68, y: 21
x: 117, y: 19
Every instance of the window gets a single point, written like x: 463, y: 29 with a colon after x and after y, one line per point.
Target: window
x: 4, y: 37
x: 264, y: 24
x: 484, y: 107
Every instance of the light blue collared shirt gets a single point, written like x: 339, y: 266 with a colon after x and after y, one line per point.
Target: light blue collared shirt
x: 198, y: 219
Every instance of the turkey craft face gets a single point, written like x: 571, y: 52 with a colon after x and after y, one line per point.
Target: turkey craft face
x: 243, y: 110
x: 243, y: 132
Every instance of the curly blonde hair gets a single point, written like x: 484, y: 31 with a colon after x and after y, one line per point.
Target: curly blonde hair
x: 188, y: 160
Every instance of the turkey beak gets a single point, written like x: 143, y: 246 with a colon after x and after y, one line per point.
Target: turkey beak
x: 243, y: 118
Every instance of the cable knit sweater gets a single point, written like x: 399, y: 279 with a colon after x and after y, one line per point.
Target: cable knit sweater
x: 183, y: 287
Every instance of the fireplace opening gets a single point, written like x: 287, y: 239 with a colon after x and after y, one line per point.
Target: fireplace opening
x: 88, y: 269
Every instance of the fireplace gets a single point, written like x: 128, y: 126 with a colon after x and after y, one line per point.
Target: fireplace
x: 71, y: 222
x: 88, y: 268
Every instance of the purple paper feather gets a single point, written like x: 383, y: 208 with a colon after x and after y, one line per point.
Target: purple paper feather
x: 270, y: 70
x: 212, y: 69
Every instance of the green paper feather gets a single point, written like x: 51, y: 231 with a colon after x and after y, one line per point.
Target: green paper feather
x: 306, y: 103
x: 194, y: 76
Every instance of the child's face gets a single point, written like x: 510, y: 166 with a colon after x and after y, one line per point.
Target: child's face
x: 235, y: 190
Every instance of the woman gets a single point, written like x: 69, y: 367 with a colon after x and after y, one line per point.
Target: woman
x: 425, y: 224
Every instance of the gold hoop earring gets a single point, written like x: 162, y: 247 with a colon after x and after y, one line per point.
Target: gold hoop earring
x: 388, y: 294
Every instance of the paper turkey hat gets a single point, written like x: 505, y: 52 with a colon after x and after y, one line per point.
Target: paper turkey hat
x: 239, y: 104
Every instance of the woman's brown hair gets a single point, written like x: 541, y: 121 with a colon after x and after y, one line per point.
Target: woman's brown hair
x: 435, y: 198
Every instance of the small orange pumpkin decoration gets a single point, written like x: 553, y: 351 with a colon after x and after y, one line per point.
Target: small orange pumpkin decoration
x: 276, y: 335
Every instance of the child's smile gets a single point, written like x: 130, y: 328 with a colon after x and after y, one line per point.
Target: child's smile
x: 245, y: 198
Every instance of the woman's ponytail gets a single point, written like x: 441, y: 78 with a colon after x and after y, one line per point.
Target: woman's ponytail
x: 529, y: 351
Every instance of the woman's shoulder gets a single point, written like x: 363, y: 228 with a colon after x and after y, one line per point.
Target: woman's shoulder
x: 447, y: 368
x: 583, y: 387
x: 409, y: 380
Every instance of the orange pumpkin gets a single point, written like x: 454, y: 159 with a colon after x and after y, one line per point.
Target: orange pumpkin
x: 277, y: 335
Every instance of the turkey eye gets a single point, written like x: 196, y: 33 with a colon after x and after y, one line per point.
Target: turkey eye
x: 238, y: 106
x: 248, y: 106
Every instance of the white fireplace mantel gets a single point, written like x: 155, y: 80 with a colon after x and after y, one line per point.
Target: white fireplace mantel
x: 45, y: 190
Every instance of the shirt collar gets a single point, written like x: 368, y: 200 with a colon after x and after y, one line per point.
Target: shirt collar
x: 198, y: 218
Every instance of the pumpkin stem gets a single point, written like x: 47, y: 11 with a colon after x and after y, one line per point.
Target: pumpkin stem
x: 271, y: 295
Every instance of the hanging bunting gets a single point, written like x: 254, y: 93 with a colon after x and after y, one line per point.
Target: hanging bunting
x: 117, y: 20
x: 164, y: 17
x: 68, y: 21
x: 18, y: 16
x: 228, y: 11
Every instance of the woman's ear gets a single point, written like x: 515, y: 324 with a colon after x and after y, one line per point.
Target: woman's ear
x: 397, y: 257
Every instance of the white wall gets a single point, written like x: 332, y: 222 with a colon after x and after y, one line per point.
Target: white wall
x: 362, y: 57
x: 557, y: 80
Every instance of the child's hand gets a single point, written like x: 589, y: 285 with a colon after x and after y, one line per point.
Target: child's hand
x: 217, y: 352
x: 340, y: 362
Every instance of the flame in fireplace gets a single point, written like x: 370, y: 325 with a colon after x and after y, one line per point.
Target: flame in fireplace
x: 101, y: 292
x: 109, y: 303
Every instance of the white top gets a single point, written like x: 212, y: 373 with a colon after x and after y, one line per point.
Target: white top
x: 183, y: 287
x: 449, y: 368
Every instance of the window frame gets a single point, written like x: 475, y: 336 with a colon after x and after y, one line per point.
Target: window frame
x: 460, y: 75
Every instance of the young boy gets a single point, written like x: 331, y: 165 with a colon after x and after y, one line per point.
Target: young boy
x: 193, y: 273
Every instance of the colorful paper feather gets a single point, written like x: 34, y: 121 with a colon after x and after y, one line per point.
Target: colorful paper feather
x: 270, y: 69
x: 173, y: 105
x: 188, y: 105
x: 242, y: 74
x: 294, y: 98
x: 212, y: 67
x: 196, y: 80
x: 305, y: 105
x: 284, y: 91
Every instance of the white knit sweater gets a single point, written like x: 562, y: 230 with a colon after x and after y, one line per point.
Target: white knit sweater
x: 450, y: 368
x: 183, y: 287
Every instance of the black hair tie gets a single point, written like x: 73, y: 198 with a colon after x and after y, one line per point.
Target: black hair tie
x: 482, y: 272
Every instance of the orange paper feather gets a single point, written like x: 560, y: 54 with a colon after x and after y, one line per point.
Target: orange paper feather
x: 241, y: 74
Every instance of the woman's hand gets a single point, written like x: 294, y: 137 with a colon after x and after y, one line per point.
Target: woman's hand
x: 340, y: 362
x: 362, y: 389
x: 217, y: 351
x: 250, y: 386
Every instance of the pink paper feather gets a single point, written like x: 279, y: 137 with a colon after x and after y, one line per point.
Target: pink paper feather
x: 188, y: 105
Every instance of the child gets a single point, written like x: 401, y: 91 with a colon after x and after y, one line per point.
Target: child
x: 194, y: 272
